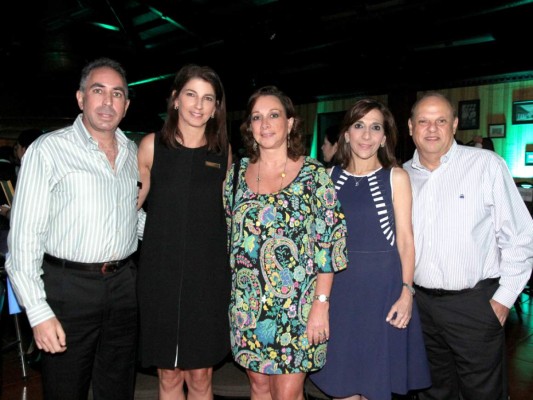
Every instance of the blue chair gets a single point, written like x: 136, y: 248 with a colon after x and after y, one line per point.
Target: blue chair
x: 4, y: 292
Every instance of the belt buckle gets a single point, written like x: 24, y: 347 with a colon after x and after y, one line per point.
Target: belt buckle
x: 110, y: 267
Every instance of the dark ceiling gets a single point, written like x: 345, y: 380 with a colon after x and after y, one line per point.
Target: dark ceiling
x: 310, y: 49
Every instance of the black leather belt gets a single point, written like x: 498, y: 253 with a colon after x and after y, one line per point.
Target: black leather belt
x: 103, y: 267
x: 444, y: 292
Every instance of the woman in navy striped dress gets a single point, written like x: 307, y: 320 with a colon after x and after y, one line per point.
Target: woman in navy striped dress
x: 376, y: 346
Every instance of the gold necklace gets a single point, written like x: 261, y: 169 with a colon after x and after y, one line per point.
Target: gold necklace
x: 283, y: 174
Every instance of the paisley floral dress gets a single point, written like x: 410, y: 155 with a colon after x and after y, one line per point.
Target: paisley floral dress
x: 278, y: 244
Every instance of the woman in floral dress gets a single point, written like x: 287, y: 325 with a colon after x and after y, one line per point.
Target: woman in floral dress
x: 287, y: 238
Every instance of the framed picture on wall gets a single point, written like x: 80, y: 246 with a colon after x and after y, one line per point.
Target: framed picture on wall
x: 523, y: 112
x: 468, y: 114
x: 496, y: 130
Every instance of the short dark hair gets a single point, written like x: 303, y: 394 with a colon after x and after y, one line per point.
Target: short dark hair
x: 333, y: 133
x: 6, y: 153
x: 27, y: 137
x: 101, y: 63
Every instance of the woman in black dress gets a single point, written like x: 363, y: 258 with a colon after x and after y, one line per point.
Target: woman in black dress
x: 184, y: 279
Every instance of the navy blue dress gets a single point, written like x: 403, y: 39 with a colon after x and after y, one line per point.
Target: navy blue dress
x: 366, y: 355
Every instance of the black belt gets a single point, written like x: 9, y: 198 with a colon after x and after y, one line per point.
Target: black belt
x: 103, y: 267
x: 444, y: 292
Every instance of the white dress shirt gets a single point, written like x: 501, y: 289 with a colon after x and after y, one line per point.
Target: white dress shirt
x: 70, y: 203
x: 470, y: 224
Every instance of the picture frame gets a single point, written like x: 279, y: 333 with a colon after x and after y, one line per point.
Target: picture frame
x: 522, y: 112
x: 496, y: 131
x: 468, y: 114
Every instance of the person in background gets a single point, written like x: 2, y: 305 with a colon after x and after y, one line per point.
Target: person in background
x: 184, y: 277
x: 287, y: 238
x: 73, y: 231
x: 376, y: 345
x: 482, y: 143
x: 329, y: 146
x: 24, y: 140
x: 487, y: 144
x: 7, y: 167
x: 474, y: 254
x: 7, y: 173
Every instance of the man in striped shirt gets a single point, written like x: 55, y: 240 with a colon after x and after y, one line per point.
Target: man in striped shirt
x: 73, y: 231
x: 474, y: 254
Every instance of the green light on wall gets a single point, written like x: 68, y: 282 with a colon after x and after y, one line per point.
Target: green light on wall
x: 314, y: 140
x: 320, y: 108
x: 106, y: 26
x: 154, y: 79
x: 513, y: 148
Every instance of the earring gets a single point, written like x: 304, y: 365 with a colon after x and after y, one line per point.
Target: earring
x: 383, y: 144
x: 254, y: 146
x: 176, y: 108
x: 289, y: 140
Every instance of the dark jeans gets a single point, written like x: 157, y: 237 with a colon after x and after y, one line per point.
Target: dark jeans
x: 99, y: 315
x: 465, y: 344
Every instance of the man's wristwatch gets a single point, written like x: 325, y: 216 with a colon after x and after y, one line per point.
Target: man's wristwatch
x: 410, y: 288
x: 321, y: 298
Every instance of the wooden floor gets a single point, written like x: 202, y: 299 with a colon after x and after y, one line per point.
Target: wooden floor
x: 519, y: 346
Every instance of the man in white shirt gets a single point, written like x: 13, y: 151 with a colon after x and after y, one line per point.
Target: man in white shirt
x: 73, y: 232
x: 474, y: 254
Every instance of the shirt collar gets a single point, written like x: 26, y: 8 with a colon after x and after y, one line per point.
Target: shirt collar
x: 443, y: 160
x: 85, y: 137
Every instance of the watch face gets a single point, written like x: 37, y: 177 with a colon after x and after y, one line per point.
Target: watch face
x: 322, y: 298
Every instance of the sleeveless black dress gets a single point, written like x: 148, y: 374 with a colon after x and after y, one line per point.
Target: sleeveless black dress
x: 184, y: 277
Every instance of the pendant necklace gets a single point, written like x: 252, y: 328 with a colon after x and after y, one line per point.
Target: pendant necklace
x: 357, y: 181
x: 282, y: 175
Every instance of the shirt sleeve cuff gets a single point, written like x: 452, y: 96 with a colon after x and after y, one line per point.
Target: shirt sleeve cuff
x: 505, y: 297
x: 141, y: 221
x: 39, y: 313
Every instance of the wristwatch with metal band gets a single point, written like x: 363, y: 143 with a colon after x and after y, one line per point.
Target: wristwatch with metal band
x: 321, y: 298
x: 411, y: 289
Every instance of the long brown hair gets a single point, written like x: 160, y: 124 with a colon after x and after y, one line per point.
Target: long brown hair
x: 362, y: 107
x: 215, y: 130
x: 296, y: 146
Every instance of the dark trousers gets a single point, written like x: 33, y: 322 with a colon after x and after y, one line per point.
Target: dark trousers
x: 465, y: 345
x: 99, y: 315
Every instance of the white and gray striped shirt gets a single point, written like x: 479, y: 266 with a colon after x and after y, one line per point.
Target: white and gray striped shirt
x: 470, y: 223
x: 70, y: 203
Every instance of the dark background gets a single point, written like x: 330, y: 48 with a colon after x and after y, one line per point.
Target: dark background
x: 311, y: 50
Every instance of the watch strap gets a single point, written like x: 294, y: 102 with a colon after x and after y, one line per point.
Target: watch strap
x: 411, y: 289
